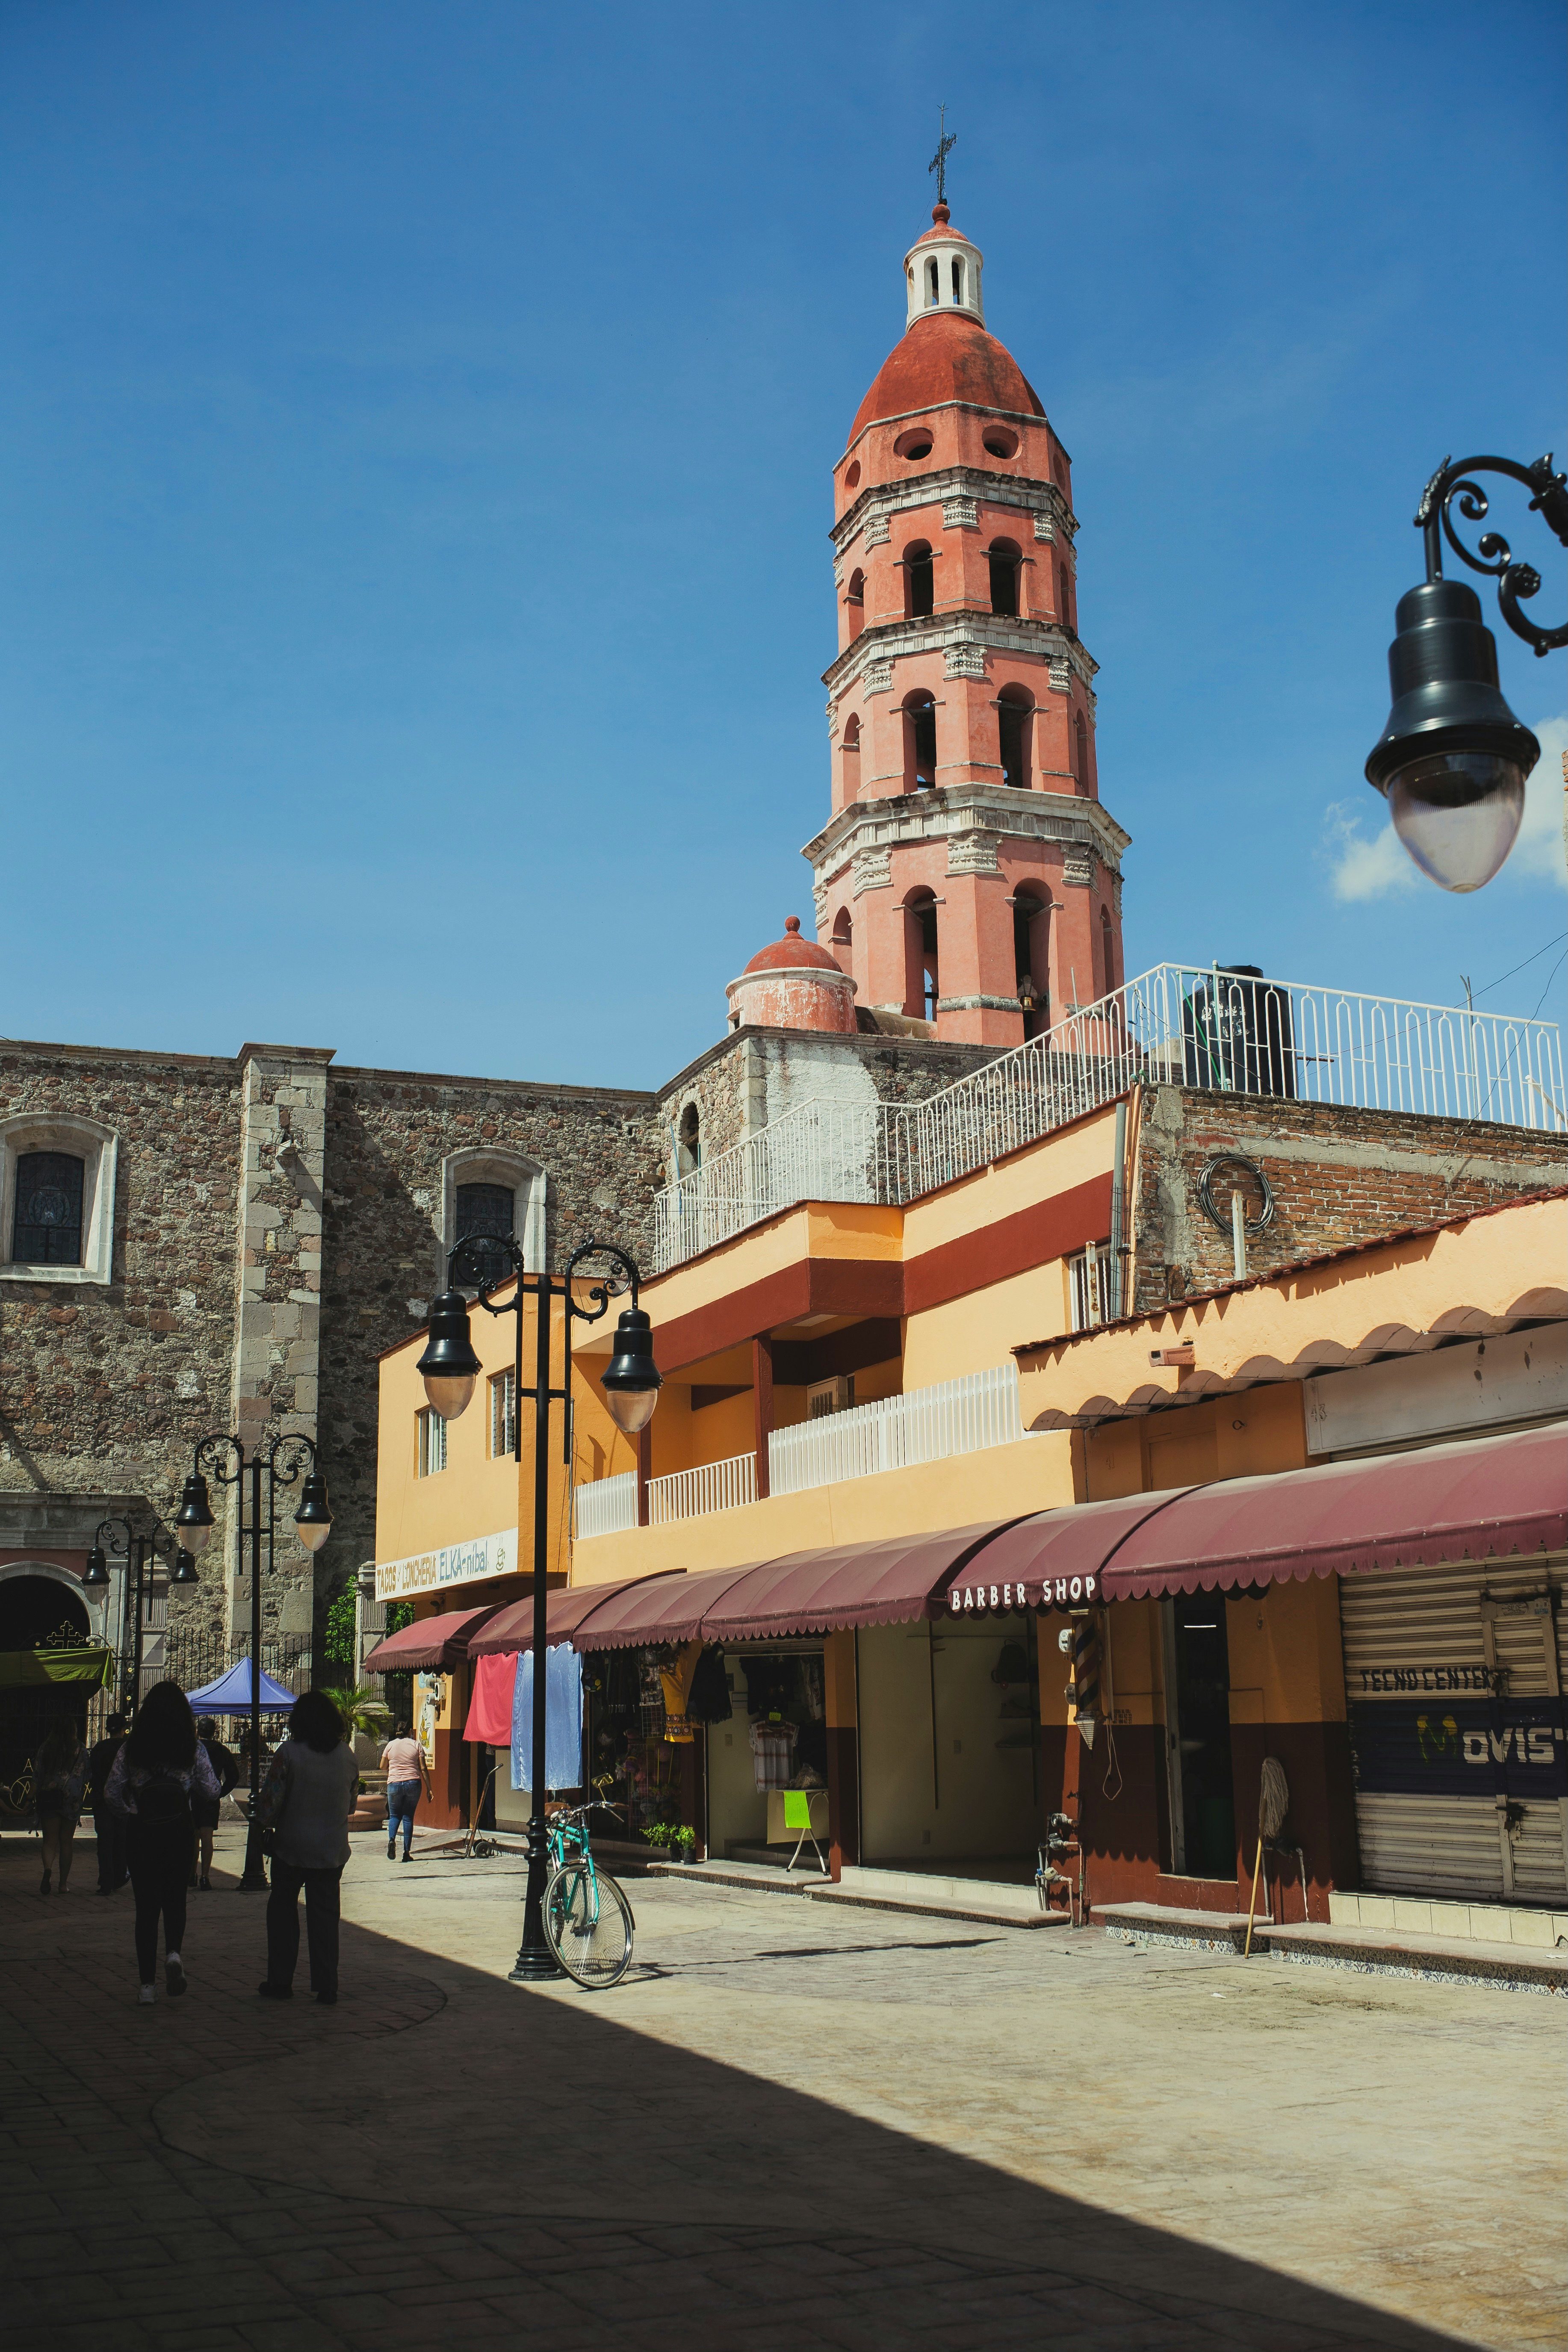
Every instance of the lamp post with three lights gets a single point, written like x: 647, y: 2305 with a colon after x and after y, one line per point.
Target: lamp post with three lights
x: 450, y: 1369
x: 120, y: 1540
x: 258, y: 1476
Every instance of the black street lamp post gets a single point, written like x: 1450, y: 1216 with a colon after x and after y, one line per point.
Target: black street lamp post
x: 118, y: 1539
x: 1452, y: 759
x: 450, y: 1369
x: 279, y: 1464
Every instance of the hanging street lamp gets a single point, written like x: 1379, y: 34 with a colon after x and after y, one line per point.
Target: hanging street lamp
x: 1452, y: 760
x: 450, y: 1369
x: 280, y: 1463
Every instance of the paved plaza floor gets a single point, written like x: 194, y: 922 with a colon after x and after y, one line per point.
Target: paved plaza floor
x: 790, y: 2127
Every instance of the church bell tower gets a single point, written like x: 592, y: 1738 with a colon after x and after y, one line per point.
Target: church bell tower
x: 968, y: 879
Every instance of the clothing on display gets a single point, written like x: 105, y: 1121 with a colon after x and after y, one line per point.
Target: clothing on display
x: 490, y: 1707
x: 675, y: 1684
x: 773, y: 1754
x: 563, y: 1720
x: 708, y: 1700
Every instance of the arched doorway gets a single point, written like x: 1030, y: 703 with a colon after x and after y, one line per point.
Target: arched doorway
x: 33, y: 1605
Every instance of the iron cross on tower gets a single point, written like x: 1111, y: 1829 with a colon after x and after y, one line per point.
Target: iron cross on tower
x: 945, y: 140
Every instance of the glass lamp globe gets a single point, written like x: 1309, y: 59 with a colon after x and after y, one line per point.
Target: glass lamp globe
x: 1458, y: 813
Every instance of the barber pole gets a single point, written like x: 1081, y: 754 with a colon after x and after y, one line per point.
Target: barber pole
x: 1086, y: 1675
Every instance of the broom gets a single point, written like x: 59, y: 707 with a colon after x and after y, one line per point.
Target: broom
x: 1273, y: 1805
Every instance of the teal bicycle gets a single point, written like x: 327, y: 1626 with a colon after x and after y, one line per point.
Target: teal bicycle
x: 588, y: 1920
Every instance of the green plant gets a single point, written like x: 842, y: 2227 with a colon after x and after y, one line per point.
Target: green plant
x: 673, y: 1834
x: 362, y: 1708
x: 338, y: 1650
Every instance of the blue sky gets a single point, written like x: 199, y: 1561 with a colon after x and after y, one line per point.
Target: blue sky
x: 415, y: 588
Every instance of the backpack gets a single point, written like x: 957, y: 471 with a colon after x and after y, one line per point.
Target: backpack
x: 163, y: 1800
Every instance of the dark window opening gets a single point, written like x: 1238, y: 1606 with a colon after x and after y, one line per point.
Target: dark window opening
x: 855, y: 602
x: 843, y: 929
x: 1108, y: 948
x: 1031, y: 936
x: 921, y: 986
x: 688, y: 1140
x: 957, y: 280
x: 482, y: 1210
x: 1066, y: 607
x: 920, y: 731
x: 921, y: 573
x: 47, y: 1230
x: 1004, y: 562
x: 1080, y: 751
x: 1013, y: 728
x: 933, y: 293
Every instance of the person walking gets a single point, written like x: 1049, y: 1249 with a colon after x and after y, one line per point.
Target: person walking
x: 204, y: 1810
x: 306, y: 1800
x: 406, y: 1775
x: 161, y: 1766
x: 59, y: 1779
x: 107, y: 1826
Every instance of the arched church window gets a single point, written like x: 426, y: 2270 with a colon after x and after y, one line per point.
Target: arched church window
x: 919, y: 742
x: 957, y: 280
x: 688, y: 1140
x: 852, y: 757
x: 1014, y: 711
x: 920, y: 579
x: 47, y: 1229
x: 485, y: 1212
x: 843, y: 933
x: 1065, y: 607
x: 855, y: 603
x: 923, y: 986
x: 1031, y: 947
x: 1107, y: 949
x: 1003, y: 556
x: 933, y: 285
x: 1080, y: 751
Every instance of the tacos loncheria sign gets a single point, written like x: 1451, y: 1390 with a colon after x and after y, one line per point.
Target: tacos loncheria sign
x: 460, y: 1563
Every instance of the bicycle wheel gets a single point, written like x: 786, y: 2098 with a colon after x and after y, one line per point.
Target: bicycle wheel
x: 589, y: 1924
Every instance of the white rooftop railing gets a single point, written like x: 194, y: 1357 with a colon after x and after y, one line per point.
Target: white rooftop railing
x: 606, y: 1507
x: 711, y: 1487
x: 1184, y: 1024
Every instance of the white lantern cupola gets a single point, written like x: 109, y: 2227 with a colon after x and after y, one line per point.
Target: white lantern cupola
x: 943, y: 272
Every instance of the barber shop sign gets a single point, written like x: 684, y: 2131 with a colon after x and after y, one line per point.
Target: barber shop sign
x: 1049, y: 1592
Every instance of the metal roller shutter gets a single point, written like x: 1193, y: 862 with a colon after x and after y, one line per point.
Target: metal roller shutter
x: 1429, y: 1716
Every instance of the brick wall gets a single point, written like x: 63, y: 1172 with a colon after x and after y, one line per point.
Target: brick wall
x: 1338, y: 1176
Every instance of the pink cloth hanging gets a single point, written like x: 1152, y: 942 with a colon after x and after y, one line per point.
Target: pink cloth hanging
x: 489, y: 1709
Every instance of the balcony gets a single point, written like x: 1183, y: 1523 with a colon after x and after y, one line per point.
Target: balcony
x: 929, y: 1425
x: 1180, y: 1024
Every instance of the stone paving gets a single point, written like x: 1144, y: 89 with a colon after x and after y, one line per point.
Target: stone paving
x: 787, y: 2128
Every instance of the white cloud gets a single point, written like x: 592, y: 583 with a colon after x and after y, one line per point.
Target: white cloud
x: 1359, y: 868
x: 1378, y: 867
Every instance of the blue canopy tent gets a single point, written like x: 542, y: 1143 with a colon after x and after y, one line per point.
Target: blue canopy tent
x: 230, y: 1695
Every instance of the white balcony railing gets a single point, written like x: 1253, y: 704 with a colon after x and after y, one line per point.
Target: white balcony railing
x: 607, y: 1506
x: 1185, y: 1024
x: 929, y: 1425
x: 693, y: 1493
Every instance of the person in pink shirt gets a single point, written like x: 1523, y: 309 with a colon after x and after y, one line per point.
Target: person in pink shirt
x: 406, y: 1777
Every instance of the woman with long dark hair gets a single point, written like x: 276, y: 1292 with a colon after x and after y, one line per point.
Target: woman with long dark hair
x: 306, y: 1800
x: 60, y: 1780
x: 160, y: 1767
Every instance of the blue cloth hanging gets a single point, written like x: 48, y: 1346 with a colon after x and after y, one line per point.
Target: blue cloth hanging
x: 563, y: 1720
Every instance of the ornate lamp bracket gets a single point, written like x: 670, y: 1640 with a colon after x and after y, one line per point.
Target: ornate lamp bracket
x: 1493, y: 555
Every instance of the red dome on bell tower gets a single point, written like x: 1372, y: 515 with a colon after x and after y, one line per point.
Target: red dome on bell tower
x: 969, y: 875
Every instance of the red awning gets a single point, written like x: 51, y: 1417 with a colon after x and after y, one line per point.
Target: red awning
x: 882, y: 1583
x: 1055, y: 1559
x: 1485, y: 1499
x: 512, y: 1627
x: 431, y: 1645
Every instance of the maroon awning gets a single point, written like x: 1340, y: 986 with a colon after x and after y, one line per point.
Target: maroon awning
x: 512, y: 1627
x: 1055, y: 1559
x: 431, y: 1645
x: 881, y: 1583
x: 1484, y: 1498
x: 659, y: 1609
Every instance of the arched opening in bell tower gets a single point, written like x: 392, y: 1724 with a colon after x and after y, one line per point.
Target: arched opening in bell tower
x: 920, y: 580
x: 1031, y: 956
x: 1110, y: 976
x: 919, y: 742
x: 1004, y: 556
x: 850, y: 757
x: 855, y: 604
x: 843, y: 936
x: 1064, y: 606
x: 1080, y: 751
x: 1014, y: 712
x: 923, y: 988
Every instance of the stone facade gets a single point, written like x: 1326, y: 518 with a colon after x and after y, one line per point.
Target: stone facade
x: 1338, y: 1176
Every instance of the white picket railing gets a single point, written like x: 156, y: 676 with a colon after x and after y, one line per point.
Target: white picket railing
x: 711, y: 1487
x: 606, y: 1507
x: 961, y: 1416
x: 1185, y: 1024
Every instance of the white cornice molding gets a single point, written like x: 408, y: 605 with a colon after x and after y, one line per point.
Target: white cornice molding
x: 890, y: 641
x: 868, y: 831
x: 882, y: 499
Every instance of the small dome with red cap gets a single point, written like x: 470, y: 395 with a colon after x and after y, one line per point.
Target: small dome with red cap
x: 792, y: 952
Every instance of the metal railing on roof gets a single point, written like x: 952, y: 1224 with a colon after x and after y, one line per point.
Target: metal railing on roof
x: 1182, y: 1024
